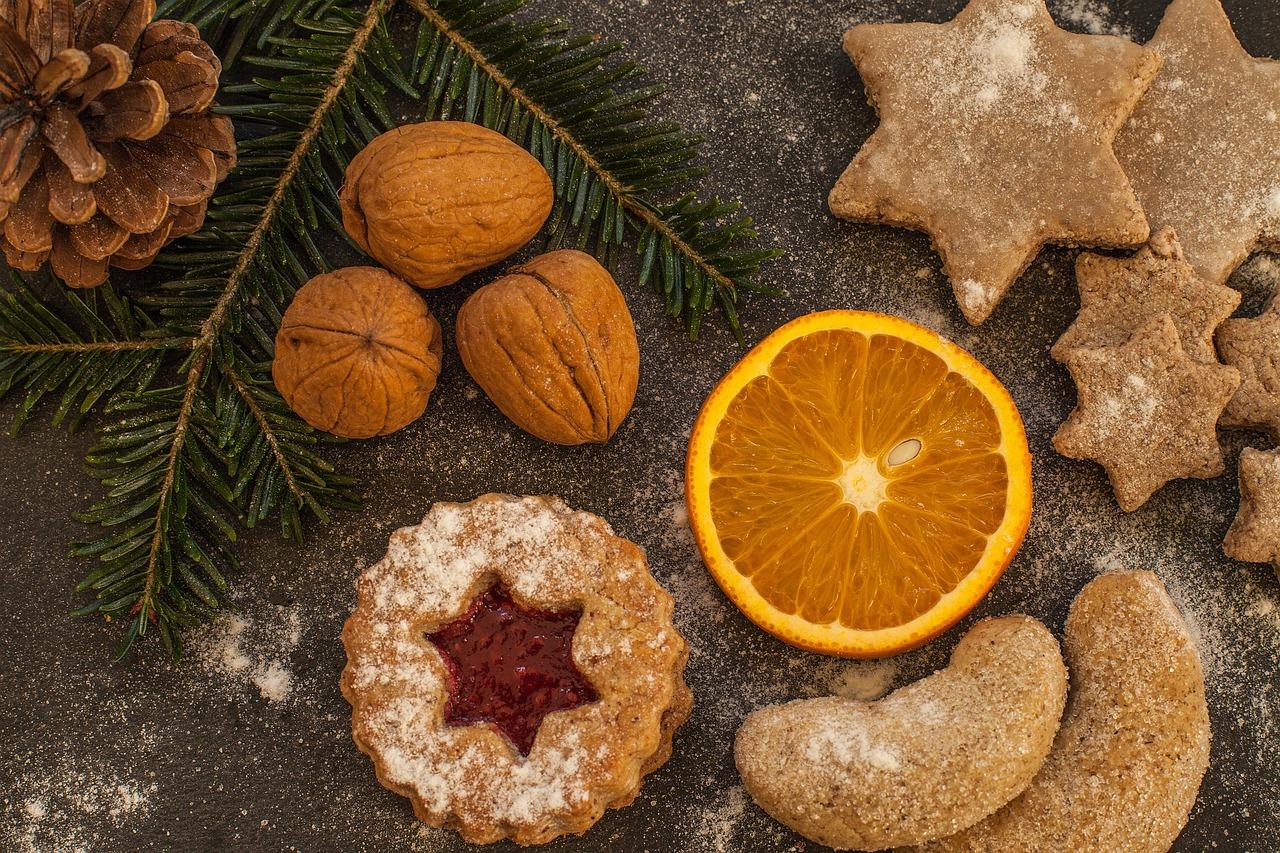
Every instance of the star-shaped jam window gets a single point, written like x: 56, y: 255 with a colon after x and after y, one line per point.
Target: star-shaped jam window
x: 510, y: 666
x: 995, y: 138
x: 1203, y: 147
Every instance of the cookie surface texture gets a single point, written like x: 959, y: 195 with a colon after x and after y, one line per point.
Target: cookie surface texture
x: 1252, y: 346
x: 995, y: 138
x: 1254, y: 536
x: 1134, y: 745
x: 928, y: 760
x: 1203, y: 147
x: 1119, y: 295
x: 1146, y: 412
x: 551, y: 560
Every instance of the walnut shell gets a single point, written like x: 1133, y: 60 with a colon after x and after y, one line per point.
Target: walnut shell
x: 440, y: 199
x: 553, y: 346
x: 357, y: 353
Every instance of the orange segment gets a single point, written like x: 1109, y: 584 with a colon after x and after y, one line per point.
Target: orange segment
x: 856, y: 484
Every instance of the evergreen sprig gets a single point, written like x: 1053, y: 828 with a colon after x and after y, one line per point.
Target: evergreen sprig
x: 83, y: 348
x: 195, y: 444
x: 584, y: 113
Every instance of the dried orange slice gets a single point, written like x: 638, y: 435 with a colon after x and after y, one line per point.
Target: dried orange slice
x: 856, y: 484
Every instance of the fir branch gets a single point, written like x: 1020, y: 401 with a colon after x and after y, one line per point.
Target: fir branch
x: 185, y: 466
x: 75, y: 350
x: 583, y: 115
x: 221, y: 450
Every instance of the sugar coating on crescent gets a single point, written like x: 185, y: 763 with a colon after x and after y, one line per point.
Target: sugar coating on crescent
x: 928, y: 760
x: 1134, y: 745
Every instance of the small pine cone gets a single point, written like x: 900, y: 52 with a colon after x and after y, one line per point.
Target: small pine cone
x: 107, y: 147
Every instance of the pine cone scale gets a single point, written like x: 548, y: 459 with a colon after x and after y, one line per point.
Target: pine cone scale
x: 107, y: 149
x: 183, y: 172
x: 67, y: 139
x: 71, y: 266
x: 188, y: 81
x: 109, y: 68
x: 13, y: 143
x: 120, y: 23
x: 67, y: 67
x: 45, y: 25
x: 29, y: 226
x: 18, y: 62
x: 128, y: 196
x: 70, y: 203
x: 144, y: 247
x: 137, y: 110
x: 98, y: 238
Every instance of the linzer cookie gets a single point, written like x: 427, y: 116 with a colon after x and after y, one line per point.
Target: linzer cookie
x: 1203, y: 147
x: 512, y: 669
x: 1251, y: 346
x: 1146, y: 412
x: 1255, y: 534
x: 1119, y: 295
x: 995, y: 138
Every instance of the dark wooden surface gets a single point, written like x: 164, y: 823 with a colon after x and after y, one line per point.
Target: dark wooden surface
x: 146, y: 755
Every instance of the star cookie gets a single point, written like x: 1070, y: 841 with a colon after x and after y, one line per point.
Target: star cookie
x: 1119, y: 295
x: 995, y: 138
x: 1252, y: 346
x: 1146, y: 412
x: 512, y: 669
x: 1254, y: 536
x: 1203, y: 147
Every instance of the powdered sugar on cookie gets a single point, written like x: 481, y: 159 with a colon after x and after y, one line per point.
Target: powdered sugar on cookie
x: 583, y: 759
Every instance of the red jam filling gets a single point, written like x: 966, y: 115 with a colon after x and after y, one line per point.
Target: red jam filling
x: 510, y: 667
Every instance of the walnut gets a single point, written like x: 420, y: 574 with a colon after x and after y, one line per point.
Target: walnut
x: 357, y: 353
x: 437, y: 200
x: 553, y: 346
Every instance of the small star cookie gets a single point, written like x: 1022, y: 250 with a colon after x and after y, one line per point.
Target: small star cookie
x: 1254, y: 536
x: 1146, y: 412
x: 1252, y: 346
x: 995, y: 138
x: 1203, y: 147
x: 1118, y: 295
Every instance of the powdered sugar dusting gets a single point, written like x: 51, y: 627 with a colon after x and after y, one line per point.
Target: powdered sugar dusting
x: 1091, y: 16
x: 552, y: 558
x: 68, y: 804
x: 844, y: 740
x: 244, y: 650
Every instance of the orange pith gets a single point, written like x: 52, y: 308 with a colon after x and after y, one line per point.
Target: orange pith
x: 857, y: 484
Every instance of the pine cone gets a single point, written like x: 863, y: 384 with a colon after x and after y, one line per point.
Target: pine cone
x: 107, y: 148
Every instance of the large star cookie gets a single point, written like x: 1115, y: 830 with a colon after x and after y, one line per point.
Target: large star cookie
x: 1146, y: 412
x: 995, y: 138
x: 1252, y: 346
x: 1203, y: 147
x: 1119, y: 295
x: 1254, y: 536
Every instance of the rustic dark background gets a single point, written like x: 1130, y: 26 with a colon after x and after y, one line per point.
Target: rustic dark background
x: 147, y: 755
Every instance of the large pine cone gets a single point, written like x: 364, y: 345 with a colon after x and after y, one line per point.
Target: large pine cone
x: 107, y: 148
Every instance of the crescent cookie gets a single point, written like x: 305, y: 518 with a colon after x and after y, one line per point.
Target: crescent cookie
x: 512, y: 668
x: 1134, y: 745
x: 927, y: 760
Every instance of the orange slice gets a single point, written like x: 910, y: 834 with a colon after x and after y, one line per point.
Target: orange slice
x: 856, y: 484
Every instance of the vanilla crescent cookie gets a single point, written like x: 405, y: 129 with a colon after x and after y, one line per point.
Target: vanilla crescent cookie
x: 513, y: 669
x: 922, y: 763
x: 1127, y: 763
